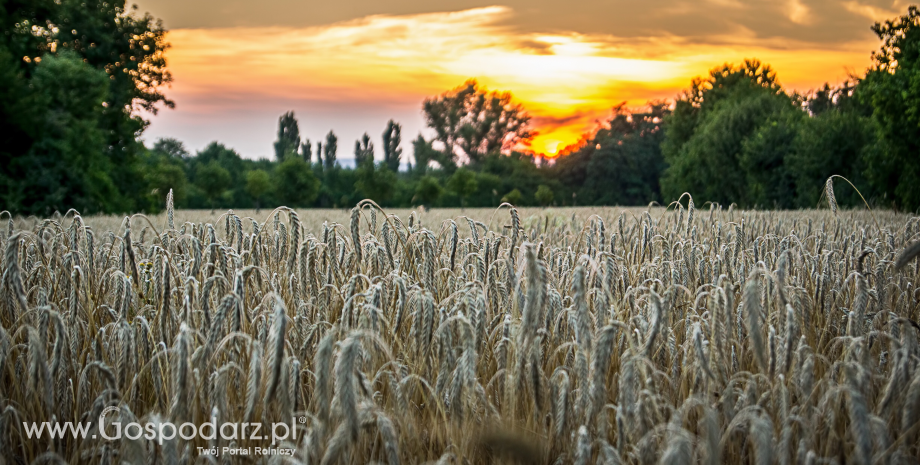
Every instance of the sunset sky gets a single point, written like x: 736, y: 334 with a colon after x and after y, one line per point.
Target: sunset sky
x: 349, y: 66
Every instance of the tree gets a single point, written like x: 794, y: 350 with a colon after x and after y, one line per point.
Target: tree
x: 424, y: 154
x: 375, y: 182
x: 891, y: 89
x: 514, y: 197
x: 288, y: 136
x: 627, y: 154
x: 463, y: 183
x: 258, y: 184
x: 544, y: 195
x: 471, y: 122
x: 428, y: 191
x: 364, y: 151
x: 306, y: 150
x: 329, y: 150
x: 831, y: 142
x: 706, y: 134
x: 130, y: 49
x: 164, y: 176
x: 66, y: 166
x: 172, y: 148
x: 295, y: 185
x: 124, y: 49
x: 213, y: 179
x: 391, y: 140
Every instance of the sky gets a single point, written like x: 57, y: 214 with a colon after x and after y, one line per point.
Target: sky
x: 350, y: 66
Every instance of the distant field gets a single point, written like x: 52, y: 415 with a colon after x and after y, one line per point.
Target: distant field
x: 559, y: 335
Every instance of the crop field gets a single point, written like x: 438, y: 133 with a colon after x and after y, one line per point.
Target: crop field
x: 575, y: 335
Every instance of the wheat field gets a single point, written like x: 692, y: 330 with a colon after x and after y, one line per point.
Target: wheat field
x: 575, y: 335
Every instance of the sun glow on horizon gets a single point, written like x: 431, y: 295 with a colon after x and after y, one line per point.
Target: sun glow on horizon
x: 568, y: 82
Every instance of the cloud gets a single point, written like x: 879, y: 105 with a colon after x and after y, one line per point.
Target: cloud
x: 387, y: 64
x: 798, y: 12
x: 872, y: 12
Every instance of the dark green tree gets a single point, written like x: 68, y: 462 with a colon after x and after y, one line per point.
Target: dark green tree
x: 66, y: 165
x: 831, y: 142
x: 288, y: 142
x: 621, y: 164
x: 364, y: 150
x: 126, y: 48
x: 306, y: 150
x: 709, y: 127
x: 163, y: 177
x: 428, y: 191
x: 544, y: 195
x: 463, y: 183
x: 391, y: 150
x: 329, y: 151
x: 891, y: 89
x: 213, y: 179
x: 375, y: 181
x: 258, y: 183
x: 172, y: 148
x: 130, y: 49
x: 424, y: 154
x: 295, y: 185
x: 514, y: 197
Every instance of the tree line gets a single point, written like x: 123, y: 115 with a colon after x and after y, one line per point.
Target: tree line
x: 74, y: 77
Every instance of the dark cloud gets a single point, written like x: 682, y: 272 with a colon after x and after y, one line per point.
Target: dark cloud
x: 553, y: 122
x: 825, y: 22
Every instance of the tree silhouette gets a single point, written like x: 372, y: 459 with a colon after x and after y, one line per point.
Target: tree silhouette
x: 288, y: 136
x: 471, y: 121
x: 171, y: 147
x: 329, y: 150
x: 306, y: 150
x: 364, y: 150
x: 391, y: 141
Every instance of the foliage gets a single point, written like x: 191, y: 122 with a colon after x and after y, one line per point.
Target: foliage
x: 463, y: 183
x: 62, y: 147
x: 288, y: 142
x: 544, y: 195
x: 375, y: 181
x: 472, y: 122
x: 891, y: 89
x: 514, y: 197
x: 831, y: 142
x: 171, y: 147
x: 66, y: 165
x: 258, y: 184
x: 711, y: 123
x: 364, y: 151
x: 621, y: 164
x: 163, y: 175
x: 428, y: 190
x: 391, y: 150
x: 295, y: 183
x: 213, y: 179
x: 329, y: 151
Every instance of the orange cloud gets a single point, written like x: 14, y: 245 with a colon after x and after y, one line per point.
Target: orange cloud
x: 567, y: 81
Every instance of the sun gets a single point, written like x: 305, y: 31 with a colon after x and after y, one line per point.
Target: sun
x: 548, y: 148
